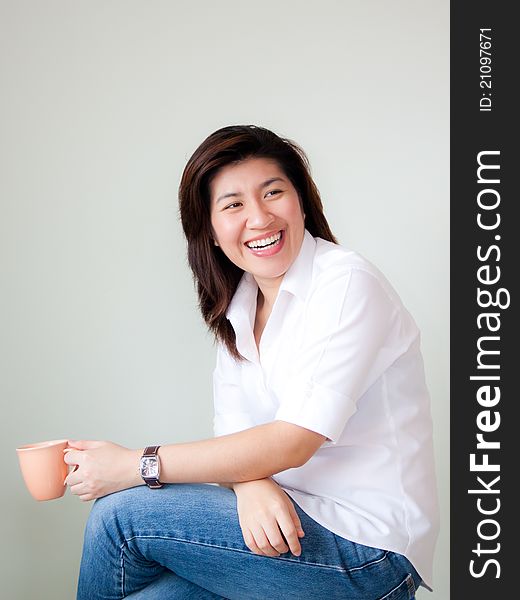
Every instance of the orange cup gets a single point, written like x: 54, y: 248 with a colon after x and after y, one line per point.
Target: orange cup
x: 44, y: 469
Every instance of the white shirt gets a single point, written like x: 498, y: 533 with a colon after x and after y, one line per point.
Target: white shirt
x: 340, y: 355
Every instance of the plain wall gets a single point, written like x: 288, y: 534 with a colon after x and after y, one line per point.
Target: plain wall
x: 102, y: 103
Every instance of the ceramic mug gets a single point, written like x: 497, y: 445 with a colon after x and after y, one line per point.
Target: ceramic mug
x: 43, y: 468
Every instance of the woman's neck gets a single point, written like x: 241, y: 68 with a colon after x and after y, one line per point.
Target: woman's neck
x: 267, y: 295
x: 267, y: 290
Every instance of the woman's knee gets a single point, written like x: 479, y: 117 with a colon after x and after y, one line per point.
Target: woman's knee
x: 183, y: 509
x: 109, y: 514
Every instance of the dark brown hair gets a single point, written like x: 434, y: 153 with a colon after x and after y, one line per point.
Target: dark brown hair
x: 215, y: 276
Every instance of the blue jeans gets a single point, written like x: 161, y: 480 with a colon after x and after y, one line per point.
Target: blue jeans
x: 184, y: 541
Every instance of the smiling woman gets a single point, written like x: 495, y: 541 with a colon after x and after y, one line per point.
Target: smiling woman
x: 261, y: 231
x: 277, y: 163
x: 323, y: 437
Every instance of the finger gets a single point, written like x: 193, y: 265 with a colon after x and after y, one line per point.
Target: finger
x: 66, y: 480
x: 289, y: 531
x: 274, y: 535
x: 72, y: 457
x: 73, y: 478
x: 296, y: 520
x: 86, y: 497
x: 262, y: 543
x: 79, y: 489
x: 84, y: 444
x: 249, y: 541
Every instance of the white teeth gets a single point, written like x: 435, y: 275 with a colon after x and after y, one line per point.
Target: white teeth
x: 265, y: 241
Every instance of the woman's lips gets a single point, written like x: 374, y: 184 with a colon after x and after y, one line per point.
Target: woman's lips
x: 270, y: 250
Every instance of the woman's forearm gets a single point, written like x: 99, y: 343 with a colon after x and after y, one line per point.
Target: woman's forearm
x: 102, y: 467
x: 254, y: 453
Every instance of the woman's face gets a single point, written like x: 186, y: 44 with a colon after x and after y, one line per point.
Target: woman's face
x: 254, y: 201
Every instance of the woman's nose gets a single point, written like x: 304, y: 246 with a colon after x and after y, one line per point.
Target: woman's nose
x: 258, y: 216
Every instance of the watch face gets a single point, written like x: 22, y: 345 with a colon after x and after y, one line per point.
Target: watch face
x: 149, y: 467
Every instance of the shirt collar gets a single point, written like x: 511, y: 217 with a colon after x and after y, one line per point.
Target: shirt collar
x: 296, y: 281
x: 298, y: 277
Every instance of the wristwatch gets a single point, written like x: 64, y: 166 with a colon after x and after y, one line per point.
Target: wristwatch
x: 150, y: 468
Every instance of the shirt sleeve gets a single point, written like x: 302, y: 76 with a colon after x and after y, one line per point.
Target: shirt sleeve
x: 230, y: 413
x: 355, y: 328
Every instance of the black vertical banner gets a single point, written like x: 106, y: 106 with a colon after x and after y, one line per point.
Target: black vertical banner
x: 485, y: 267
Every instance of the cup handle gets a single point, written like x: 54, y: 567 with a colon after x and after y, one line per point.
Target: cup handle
x: 71, y: 468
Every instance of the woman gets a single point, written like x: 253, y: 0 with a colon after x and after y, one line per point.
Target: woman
x: 323, y: 447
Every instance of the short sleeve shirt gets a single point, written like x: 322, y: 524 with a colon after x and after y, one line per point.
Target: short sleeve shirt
x: 340, y: 355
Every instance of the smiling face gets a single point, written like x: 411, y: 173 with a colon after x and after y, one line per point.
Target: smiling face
x: 257, y: 219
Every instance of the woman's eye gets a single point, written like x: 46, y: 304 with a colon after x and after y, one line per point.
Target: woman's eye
x: 231, y: 205
x: 273, y: 192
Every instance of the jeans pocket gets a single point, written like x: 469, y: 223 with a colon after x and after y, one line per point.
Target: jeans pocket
x: 403, y: 591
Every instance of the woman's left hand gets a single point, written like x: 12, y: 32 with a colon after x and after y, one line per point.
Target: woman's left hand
x: 101, y: 468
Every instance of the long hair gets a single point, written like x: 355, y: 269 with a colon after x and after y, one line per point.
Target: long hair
x: 215, y: 276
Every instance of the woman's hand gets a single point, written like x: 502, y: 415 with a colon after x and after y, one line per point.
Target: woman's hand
x: 266, y: 512
x: 101, y: 468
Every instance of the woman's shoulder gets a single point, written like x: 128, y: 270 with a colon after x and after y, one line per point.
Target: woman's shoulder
x: 328, y: 254
x: 335, y: 262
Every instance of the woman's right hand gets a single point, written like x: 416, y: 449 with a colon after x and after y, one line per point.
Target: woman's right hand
x: 266, y: 512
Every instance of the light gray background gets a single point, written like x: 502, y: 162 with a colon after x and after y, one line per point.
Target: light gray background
x: 102, y: 103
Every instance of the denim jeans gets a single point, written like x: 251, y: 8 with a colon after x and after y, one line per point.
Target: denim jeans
x: 184, y: 541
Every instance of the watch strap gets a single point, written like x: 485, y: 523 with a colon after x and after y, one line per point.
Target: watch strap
x: 151, y: 450
x: 151, y: 482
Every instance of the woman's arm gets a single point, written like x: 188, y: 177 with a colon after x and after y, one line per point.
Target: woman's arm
x: 255, y: 453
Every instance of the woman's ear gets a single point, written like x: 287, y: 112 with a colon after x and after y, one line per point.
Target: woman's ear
x: 212, y: 235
